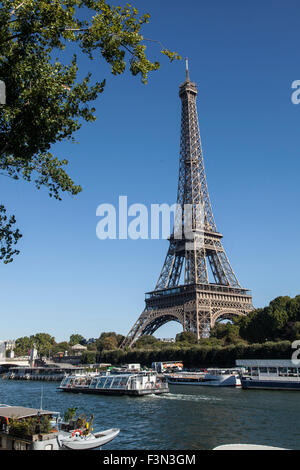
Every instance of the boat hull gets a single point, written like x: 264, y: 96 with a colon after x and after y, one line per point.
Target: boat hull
x: 246, y: 447
x: 96, y: 391
x: 207, y: 381
x: 269, y: 384
x: 206, y: 384
x: 94, y: 441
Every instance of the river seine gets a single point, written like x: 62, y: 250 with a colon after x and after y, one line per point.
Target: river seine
x: 189, y: 418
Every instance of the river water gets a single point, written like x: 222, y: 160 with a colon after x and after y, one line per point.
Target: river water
x: 189, y: 418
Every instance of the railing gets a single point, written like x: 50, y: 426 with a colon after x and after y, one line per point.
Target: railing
x: 191, y: 288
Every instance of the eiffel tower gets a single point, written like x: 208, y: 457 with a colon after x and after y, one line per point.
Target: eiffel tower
x: 183, y: 292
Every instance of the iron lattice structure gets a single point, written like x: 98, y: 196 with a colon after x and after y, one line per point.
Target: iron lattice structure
x: 183, y: 292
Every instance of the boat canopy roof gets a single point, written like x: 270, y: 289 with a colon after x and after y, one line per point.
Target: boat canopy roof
x: 22, y: 412
x: 126, y: 375
x: 265, y: 363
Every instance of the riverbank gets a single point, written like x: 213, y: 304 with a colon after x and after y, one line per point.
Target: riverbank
x: 200, y: 356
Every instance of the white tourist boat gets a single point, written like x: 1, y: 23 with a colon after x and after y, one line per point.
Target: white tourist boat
x: 134, y: 384
x: 211, y: 378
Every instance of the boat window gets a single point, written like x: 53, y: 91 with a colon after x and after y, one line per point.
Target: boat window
x: 132, y: 382
x: 292, y: 372
x: 116, y: 382
x: 273, y: 370
x: 18, y: 445
x: 254, y: 371
x: 108, y: 382
x: 65, y: 381
x: 263, y: 370
x: 282, y: 371
x: 93, y: 383
x: 101, y: 382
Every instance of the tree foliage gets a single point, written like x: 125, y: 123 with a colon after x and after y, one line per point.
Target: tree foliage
x: 46, y: 101
x: 147, y: 342
x: 186, y: 337
x: 108, y: 341
x: 271, y: 323
x: 88, y: 357
x: 9, y: 236
x: 228, y: 333
x: 43, y: 342
x: 60, y: 347
x: 278, y: 321
x: 76, y: 339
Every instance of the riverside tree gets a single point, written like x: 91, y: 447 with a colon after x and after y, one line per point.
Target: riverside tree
x: 46, y: 103
x: 76, y: 338
x: 43, y: 342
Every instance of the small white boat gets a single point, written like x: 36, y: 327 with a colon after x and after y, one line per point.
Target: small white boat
x: 246, y: 447
x: 78, y: 441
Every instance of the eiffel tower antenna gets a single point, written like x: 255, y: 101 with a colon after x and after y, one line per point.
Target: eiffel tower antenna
x: 187, y: 76
x: 184, y: 293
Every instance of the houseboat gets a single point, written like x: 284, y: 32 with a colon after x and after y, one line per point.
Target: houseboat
x: 23, y: 428
x: 272, y: 374
x: 143, y: 383
x: 210, y: 377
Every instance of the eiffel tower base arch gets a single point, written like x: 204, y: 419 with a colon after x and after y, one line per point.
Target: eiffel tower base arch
x: 195, y: 310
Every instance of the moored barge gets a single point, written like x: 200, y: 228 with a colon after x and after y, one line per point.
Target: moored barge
x: 210, y: 378
x: 48, y: 374
x: 272, y: 374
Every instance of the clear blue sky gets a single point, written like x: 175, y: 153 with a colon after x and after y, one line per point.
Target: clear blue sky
x: 243, y: 57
